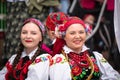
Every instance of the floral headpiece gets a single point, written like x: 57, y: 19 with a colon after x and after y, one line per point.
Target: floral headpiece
x: 61, y: 29
x: 70, y: 21
x: 37, y: 22
x: 54, y: 19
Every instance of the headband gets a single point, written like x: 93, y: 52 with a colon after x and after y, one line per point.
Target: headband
x: 37, y: 22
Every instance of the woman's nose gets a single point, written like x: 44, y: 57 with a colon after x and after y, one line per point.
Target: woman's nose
x: 77, y: 35
x: 28, y: 35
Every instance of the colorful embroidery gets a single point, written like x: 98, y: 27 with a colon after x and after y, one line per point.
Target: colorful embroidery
x: 50, y: 59
x: 80, y: 66
x: 60, y: 60
x: 103, y: 60
x: 37, y: 60
x: 41, y: 59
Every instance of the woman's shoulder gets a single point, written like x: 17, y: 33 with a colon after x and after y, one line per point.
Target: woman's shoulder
x: 97, y: 54
x: 43, y: 57
x: 59, y: 58
x: 100, y: 58
x: 13, y: 56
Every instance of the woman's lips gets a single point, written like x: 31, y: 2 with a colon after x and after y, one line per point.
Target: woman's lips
x: 28, y: 40
x: 77, y: 42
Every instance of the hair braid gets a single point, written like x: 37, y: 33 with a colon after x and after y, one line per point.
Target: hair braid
x: 18, y: 55
x: 38, y: 52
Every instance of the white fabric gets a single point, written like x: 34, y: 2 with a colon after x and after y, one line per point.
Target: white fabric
x: 39, y: 71
x: 36, y: 71
x: 30, y: 55
x: 108, y: 73
x: 117, y: 22
x: 4, y: 70
x: 53, y: 41
x: 60, y: 70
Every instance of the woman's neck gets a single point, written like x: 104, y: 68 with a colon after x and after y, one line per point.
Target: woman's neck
x: 77, y: 50
x: 29, y: 50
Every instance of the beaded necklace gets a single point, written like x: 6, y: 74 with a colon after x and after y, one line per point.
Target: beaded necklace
x: 83, y: 66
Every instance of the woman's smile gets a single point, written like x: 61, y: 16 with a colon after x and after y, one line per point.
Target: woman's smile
x: 28, y: 40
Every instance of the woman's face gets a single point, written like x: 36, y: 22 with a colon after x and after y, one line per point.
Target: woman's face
x: 75, y: 37
x: 90, y: 19
x: 30, y: 35
x: 51, y: 34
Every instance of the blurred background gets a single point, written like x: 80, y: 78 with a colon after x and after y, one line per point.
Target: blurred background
x: 101, y: 38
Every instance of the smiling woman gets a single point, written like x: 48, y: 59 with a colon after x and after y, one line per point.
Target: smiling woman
x: 31, y: 35
x: 75, y: 37
x: 75, y: 61
x: 30, y: 62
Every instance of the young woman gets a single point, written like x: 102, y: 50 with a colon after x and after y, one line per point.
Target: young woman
x: 30, y: 62
x: 52, y: 21
x: 73, y: 60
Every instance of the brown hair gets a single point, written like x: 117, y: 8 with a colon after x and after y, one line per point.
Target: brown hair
x: 21, y: 48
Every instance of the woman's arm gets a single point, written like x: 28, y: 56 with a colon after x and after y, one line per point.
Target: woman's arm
x: 107, y: 72
x: 60, y: 70
x: 39, y: 69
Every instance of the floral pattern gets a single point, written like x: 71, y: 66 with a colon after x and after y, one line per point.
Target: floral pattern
x: 81, y: 72
x: 59, y: 60
x: 76, y: 70
x: 43, y: 59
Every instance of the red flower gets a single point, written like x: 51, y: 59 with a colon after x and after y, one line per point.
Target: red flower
x: 50, y: 60
x: 37, y: 60
x: 59, y: 59
x: 96, y: 68
x: 61, y: 28
x: 71, y: 62
x: 93, y: 60
x: 76, y: 70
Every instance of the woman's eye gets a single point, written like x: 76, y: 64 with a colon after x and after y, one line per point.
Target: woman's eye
x: 34, y: 33
x: 72, y: 33
x: 81, y: 32
x: 24, y: 32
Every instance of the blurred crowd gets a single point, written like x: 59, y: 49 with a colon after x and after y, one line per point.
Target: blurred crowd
x: 88, y: 10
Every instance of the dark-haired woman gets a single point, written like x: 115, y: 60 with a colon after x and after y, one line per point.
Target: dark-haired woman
x: 31, y: 62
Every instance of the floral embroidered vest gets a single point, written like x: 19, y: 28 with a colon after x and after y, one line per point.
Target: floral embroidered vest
x: 83, y: 66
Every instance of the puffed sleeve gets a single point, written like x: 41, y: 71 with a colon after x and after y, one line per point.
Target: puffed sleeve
x: 39, y: 69
x: 107, y: 72
x: 2, y: 73
x: 60, y: 70
x: 4, y: 70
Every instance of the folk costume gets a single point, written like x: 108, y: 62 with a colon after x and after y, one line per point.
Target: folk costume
x: 38, y: 70
x: 83, y: 65
x: 24, y: 66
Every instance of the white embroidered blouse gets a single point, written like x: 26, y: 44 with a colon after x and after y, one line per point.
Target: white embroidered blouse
x: 38, y: 70
x: 60, y: 70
